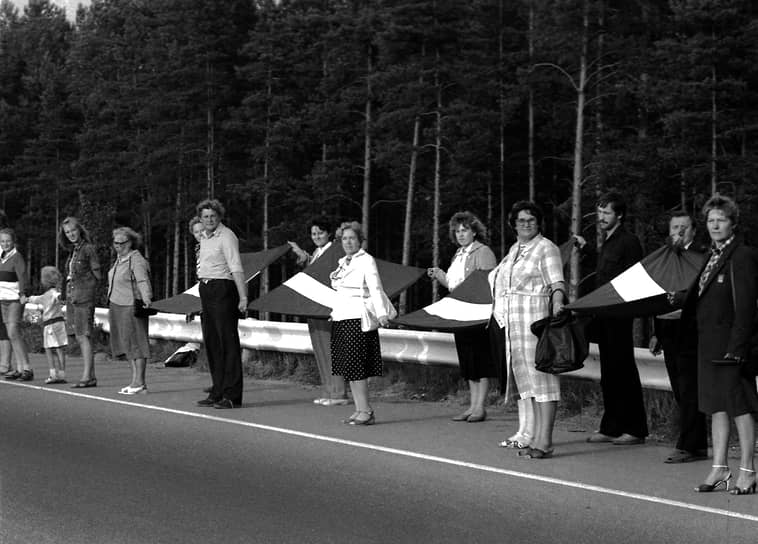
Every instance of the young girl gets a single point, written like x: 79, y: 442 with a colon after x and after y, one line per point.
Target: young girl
x: 54, y: 337
x: 13, y: 286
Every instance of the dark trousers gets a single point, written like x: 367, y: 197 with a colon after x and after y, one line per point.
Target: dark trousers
x: 219, y: 299
x: 624, y: 407
x: 681, y: 365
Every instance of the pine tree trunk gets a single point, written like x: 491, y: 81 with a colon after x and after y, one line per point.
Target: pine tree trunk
x: 714, y: 133
x: 409, y: 205
x: 266, y: 166
x: 211, y: 133
x: 177, y: 238
x: 530, y: 109
x: 576, y: 190
x: 366, y: 204
x: 437, y: 175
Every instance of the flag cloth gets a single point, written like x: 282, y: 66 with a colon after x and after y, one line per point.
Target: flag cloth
x: 188, y: 302
x: 468, y: 305
x: 641, y: 289
x: 309, y: 293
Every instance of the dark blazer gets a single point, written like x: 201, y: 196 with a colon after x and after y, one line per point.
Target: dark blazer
x: 726, y: 309
x: 620, y: 250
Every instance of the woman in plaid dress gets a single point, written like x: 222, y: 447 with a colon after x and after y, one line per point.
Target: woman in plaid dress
x: 525, y: 284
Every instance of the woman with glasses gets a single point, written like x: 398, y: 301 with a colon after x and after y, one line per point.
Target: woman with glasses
x: 527, y: 286
x: 471, y: 345
x: 129, y: 281
x: 82, y: 276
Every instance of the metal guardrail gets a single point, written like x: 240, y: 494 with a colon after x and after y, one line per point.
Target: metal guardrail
x: 400, y: 345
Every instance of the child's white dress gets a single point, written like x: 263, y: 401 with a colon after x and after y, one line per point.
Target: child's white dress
x: 53, y: 323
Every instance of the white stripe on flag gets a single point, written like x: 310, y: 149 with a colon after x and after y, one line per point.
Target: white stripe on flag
x: 313, y: 289
x: 194, y: 290
x: 450, y: 308
x: 636, y: 284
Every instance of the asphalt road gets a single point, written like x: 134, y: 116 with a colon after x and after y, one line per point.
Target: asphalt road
x: 91, y: 466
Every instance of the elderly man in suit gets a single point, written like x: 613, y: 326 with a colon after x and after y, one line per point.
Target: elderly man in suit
x: 624, y: 420
x: 680, y: 356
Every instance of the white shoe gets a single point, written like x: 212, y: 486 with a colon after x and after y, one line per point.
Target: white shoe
x: 335, y: 402
x: 320, y: 401
x: 129, y: 390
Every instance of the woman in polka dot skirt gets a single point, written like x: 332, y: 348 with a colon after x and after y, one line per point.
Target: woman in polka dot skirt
x: 355, y: 340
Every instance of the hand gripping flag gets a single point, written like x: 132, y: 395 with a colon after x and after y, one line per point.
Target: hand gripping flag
x: 641, y: 289
x: 188, y: 302
x: 309, y: 293
x: 468, y: 305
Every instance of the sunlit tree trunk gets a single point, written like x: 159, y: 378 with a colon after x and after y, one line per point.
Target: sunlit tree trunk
x: 576, y: 189
x: 366, y: 204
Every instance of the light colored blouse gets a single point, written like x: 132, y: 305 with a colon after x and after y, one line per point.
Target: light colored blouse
x: 121, y: 289
x: 356, y: 279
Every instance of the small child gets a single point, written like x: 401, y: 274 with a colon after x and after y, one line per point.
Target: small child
x: 54, y: 337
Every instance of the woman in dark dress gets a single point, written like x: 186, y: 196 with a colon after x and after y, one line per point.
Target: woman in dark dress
x: 472, y: 345
x: 723, y: 299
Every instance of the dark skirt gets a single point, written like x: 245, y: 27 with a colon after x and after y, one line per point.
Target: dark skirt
x: 723, y: 388
x: 128, y: 334
x: 356, y: 355
x: 475, y: 354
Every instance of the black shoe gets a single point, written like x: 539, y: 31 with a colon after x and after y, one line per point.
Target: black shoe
x: 225, y: 404
x: 26, y: 376
x: 210, y: 401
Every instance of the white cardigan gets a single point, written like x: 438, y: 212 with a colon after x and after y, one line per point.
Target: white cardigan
x: 354, y: 283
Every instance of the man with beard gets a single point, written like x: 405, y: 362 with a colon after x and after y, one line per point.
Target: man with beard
x: 624, y: 420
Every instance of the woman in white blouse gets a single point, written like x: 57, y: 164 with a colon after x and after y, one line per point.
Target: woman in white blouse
x: 472, y: 345
x: 355, y: 351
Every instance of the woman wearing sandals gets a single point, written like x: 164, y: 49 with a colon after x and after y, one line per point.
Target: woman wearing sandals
x: 723, y: 302
x: 527, y: 285
x: 471, y: 345
x: 355, y: 347
x: 82, y: 276
x: 129, y: 280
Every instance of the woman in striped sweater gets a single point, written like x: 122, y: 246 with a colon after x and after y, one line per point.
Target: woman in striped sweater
x: 13, y: 285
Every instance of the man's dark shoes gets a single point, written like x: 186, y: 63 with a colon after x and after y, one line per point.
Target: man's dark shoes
x: 684, y: 456
x: 225, y: 404
x: 627, y: 439
x: 210, y: 401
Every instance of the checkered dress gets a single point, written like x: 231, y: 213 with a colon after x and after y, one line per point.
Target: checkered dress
x: 521, y: 284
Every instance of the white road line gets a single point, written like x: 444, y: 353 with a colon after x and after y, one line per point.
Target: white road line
x: 412, y: 454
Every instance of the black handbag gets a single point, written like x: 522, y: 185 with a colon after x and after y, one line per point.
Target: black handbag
x: 563, y: 345
x: 140, y: 310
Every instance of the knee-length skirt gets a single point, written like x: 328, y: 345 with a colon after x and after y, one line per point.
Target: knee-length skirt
x: 129, y: 336
x: 474, y: 354
x: 356, y: 355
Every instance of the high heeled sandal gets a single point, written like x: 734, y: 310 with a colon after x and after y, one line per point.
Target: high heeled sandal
x: 462, y: 417
x: 536, y: 453
x: 708, y: 488
x: 517, y: 441
x: 348, y: 420
x: 370, y: 420
x: 749, y: 490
